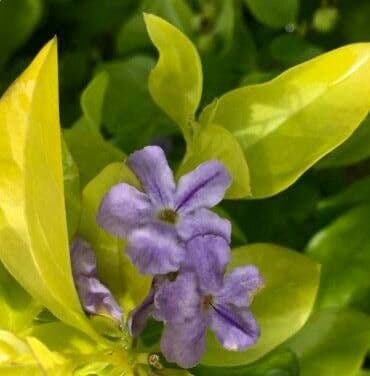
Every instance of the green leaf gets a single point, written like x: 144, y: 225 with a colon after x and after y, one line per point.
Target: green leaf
x: 18, y: 19
x: 292, y: 49
x: 343, y: 249
x: 17, y: 308
x: 215, y: 142
x: 175, y: 83
x: 274, y: 13
x: 133, y: 35
x: 114, y: 267
x: 277, y: 363
x: 72, y: 194
x: 299, y: 114
x: 281, y: 307
x: 354, y: 150
x: 356, y: 194
x: 332, y: 343
x: 129, y: 113
x: 88, y: 147
x: 33, y: 232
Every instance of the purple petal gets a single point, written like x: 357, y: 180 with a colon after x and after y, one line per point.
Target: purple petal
x: 154, y: 249
x: 151, y: 168
x: 184, y: 344
x: 178, y: 301
x: 140, y: 315
x: 208, y: 257
x: 240, y: 286
x: 235, y: 328
x: 123, y: 209
x: 203, y: 222
x: 83, y: 258
x: 96, y: 298
x: 203, y: 187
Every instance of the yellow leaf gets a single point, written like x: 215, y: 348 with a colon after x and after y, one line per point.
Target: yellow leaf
x: 33, y: 233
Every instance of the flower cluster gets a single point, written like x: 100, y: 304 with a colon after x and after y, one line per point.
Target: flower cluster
x: 173, y: 235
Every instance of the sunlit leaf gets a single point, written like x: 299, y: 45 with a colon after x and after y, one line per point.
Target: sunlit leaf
x: 214, y: 142
x: 115, y: 268
x: 33, y: 232
x: 175, y: 83
x: 133, y: 36
x: 332, y: 343
x: 274, y: 13
x: 278, y: 363
x: 284, y: 126
x: 343, y: 250
x: 354, y: 150
x: 88, y: 147
x: 281, y: 308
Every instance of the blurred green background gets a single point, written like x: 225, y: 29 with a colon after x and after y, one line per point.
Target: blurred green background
x: 240, y: 43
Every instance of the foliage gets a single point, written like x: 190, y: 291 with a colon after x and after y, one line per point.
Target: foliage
x: 273, y: 89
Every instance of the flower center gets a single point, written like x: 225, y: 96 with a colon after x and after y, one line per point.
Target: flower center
x: 167, y: 215
x: 207, y: 301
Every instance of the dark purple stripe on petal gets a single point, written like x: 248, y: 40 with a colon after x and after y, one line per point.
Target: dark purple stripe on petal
x: 225, y: 314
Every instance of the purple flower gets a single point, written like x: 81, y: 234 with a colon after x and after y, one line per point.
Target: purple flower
x: 158, y: 222
x: 188, y: 308
x: 94, y: 296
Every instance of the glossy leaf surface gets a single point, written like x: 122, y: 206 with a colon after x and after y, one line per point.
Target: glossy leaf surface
x: 281, y: 307
x: 33, y: 232
x: 332, y: 343
x: 343, y: 250
x: 305, y: 112
x: 175, y: 83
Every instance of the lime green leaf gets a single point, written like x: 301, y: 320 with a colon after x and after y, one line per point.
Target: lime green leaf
x: 278, y: 363
x: 299, y: 114
x: 133, y: 36
x: 130, y: 114
x: 343, y: 249
x: 17, y: 308
x: 325, y: 19
x: 332, y: 343
x: 281, y: 308
x: 71, y: 191
x: 274, y: 13
x: 175, y: 83
x: 115, y: 269
x: 94, y: 153
x: 33, y: 232
x: 354, y: 150
x: 18, y: 19
x: 215, y: 142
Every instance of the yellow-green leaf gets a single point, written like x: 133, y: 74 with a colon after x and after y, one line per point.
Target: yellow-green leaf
x: 175, y: 83
x: 215, y: 142
x: 281, y: 307
x: 33, y: 232
x: 285, y: 125
x: 114, y: 267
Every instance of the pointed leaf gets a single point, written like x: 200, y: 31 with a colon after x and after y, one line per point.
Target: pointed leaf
x: 175, y: 83
x: 281, y: 307
x: 284, y: 126
x: 33, y: 232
